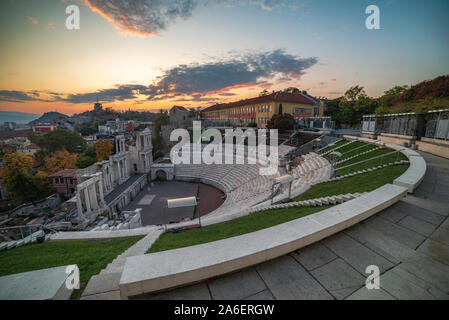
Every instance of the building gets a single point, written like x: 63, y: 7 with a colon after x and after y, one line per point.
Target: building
x: 116, y: 126
x: 65, y: 181
x: 29, y: 148
x: 261, y: 109
x: 43, y: 127
x: 106, y: 187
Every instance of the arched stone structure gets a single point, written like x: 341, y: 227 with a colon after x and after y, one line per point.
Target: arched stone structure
x: 167, y: 168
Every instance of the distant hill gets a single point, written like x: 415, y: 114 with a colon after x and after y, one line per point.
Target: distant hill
x: 17, y: 117
x: 48, y: 117
x: 421, y: 97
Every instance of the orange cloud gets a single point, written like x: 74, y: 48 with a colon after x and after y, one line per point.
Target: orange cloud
x: 32, y: 20
x: 332, y: 80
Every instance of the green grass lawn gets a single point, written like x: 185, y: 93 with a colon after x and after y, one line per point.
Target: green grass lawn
x: 354, y: 152
x: 233, y: 228
x: 371, y: 163
x: 91, y: 256
x: 337, y: 144
x: 361, y: 183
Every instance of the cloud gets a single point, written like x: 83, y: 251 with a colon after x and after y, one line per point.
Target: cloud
x: 32, y: 20
x: 51, y: 26
x: 149, y: 17
x: 191, y: 82
x: 332, y: 80
x: 15, y: 96
x: 221, y: 76
x: 118, y: 93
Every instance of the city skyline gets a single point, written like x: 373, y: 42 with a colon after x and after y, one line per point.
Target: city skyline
x: 147, y: 55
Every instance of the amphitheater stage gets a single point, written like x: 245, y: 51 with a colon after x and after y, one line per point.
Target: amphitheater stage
x: 154, y: 197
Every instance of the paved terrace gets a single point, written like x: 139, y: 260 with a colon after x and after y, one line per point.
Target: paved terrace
x: 409, y: 242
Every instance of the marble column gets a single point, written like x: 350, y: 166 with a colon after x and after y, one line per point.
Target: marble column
x: 119, y: 172
x: 100, y: 187
x: 87, y: 200
x: 79, y: 205
x: 93, y: 193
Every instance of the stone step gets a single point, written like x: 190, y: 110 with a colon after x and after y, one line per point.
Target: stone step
x: 102, y: 283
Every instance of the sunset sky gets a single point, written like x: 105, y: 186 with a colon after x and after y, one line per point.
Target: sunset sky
x: 152, y: 54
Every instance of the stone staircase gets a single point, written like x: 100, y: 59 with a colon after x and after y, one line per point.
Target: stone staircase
x: 352, y: 174
x: 32, y: 238
x: 311, y: 203
x: 105, y: 285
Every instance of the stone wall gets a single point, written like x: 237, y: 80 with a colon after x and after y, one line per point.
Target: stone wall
x: 401, y: 140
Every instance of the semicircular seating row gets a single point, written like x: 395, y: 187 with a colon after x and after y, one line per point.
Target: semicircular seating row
x: 311, y: 170
x: 243, y: 184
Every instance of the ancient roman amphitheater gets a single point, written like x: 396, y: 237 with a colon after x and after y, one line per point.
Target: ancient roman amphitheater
x: 312, y: 230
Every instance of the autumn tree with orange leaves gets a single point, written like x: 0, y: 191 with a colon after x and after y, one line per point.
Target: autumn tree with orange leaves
x: 103, y: 149
x: 61, y: 160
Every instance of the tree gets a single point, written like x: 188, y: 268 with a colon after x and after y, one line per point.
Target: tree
x: 160, y: 119
x: 59, y: 139
x: 282, y: 122
x: 19, y: 180
x: 7, y: 149
x: 89, y: 157
x: 103, y: 149
x: 61, y: 160
x: 264, y: 93
x: 292, y: 90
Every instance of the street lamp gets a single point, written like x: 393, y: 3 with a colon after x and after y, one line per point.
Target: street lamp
x: 183, y: 203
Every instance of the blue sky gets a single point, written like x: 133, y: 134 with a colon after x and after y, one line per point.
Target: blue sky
x: 318, y: 45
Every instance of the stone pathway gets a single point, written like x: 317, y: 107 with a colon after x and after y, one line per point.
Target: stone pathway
x: 409, y: 242
x: 105, y: 285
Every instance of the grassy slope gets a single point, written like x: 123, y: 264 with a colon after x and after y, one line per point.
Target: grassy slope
x: 360, y: 183
x: 91, y: 256
x: 233, y: 228
x: 337, y: 144
x: 371, y: 163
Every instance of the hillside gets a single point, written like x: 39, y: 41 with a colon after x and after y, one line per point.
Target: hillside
x: 424, y: 96
x: 48, y: 117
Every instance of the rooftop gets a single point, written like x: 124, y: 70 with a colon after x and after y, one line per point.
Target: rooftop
x: 275, y: 96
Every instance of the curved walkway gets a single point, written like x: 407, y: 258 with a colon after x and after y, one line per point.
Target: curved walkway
x: 409, y: 242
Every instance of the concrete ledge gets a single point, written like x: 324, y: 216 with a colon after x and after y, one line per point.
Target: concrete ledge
x: 45, y: 284
x: 437, y: 147
x: 406, y: 141
x: 170, y: 269
x: 90, y: 235
x: 414, y: 174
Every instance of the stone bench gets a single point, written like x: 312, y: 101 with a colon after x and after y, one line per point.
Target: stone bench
x: 414, y: 174
x: 45, y: 284
x: 169, y: 269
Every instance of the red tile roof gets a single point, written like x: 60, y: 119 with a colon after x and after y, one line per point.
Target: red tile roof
x: 14, y: 133
x: 67, y: 173
x: 276, y: 96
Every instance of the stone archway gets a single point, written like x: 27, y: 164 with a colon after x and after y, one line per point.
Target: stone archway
x: 161, y: 175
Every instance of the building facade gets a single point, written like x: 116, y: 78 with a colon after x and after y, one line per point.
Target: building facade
x: 261, y: 109
x: 65, y: 181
